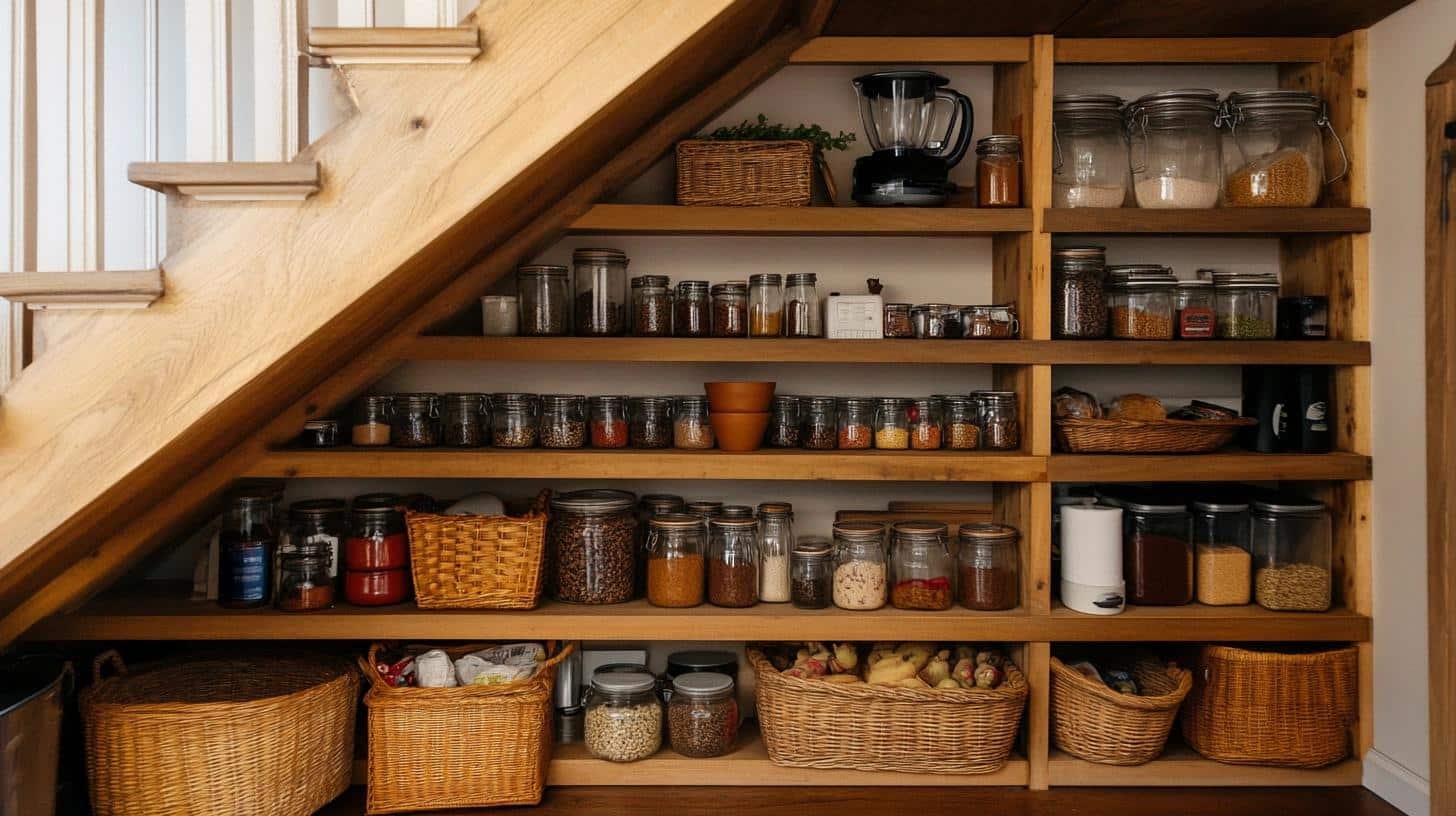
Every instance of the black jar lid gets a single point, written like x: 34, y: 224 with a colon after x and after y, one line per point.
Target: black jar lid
x: 775, y: 509
x: 616, y: 256
x: 317, y: 508
x: 661, y: 502
x: 702, y: 660
x: 650, y: 281
x: 910, y: 84
x: 766, y: 279
x: 730, y: 288
x: 801, y: 279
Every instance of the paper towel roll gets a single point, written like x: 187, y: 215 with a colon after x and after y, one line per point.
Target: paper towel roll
x: 1092, y: 545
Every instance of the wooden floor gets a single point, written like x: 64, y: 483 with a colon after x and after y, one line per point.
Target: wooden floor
x: 688, y: 801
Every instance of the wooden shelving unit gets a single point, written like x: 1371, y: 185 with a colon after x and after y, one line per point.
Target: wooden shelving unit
x: 1181, y: 766
x: 1212, y: 467
x: 667, y: 219
x: 1269, y: 221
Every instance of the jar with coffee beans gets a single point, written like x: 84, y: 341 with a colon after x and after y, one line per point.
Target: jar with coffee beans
x: 592, y: 545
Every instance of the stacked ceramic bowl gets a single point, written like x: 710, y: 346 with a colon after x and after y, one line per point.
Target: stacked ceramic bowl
x: 739, y: 413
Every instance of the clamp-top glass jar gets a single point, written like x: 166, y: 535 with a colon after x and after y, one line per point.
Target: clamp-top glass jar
x: 998, y: 171
x: 1079, y: 304
x: 608, y: 426
x: 988, y: 567
x: 601, y: 291
x: 1000, y: 420
x: 783, y: 422
x: 730, y: 309
x: 962, y: 426
x: 802, y: 316
x: 775, y: 542
x: 543, y: 295
x: 813, y: 572
x: 676, y: 560
x: 733, y: 561
x: 563, y: 421
x: 372, y: 420
x: 1140, y: 302
x: 416, y: 421
x: 1089, y: 151
x: 1274, y: 149
x: 463, y: 418
x: 691, y: 427
x: 1173, y: 145
x: 921, y: 566
x: 651, y: 422
x: 513, y: 420
x: 1246, y: 305
x: 925, y: 417
x: 692, y: 310
x: 818, y: 424
x: 860, y: 579
x: 651, y: 306
x: 892, y: 423
x: 766, y: 305
x: 856, y: 423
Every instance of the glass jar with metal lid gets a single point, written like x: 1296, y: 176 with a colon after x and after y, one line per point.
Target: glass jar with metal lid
x: 897, y: 321
x: 319, y: 523
x: 563, y: 421
x: 998, y: 171
x: 543, y: 295
x: 1246, y: 305
x: 601, y: 292
x: 1157, y: 556
x: 1089, y: 151
x: 1292, y: 551
x: 856, y: 423
x: 416, y: 421
x: 988, y: 567
x: 736, y: 511
x: 705, y: 511
x: 1079, y: 305
x: 691, y: 427
x: 892, y: 423
x: 648, y: 506
x: 935, y: 321
x: 247, y: 542
x: 373, y: 417
x: 818, y: 422
x: 676, y: 560
x: 1274, y: 148
x: 514, y: 418
x: 1193, y: 309
x: 962, y: 426
x: 775, y: 542
x: 994, y: 322
x: 651, y: 306
x: 783, y: 422
x: 702, y: 716
x: 730, y: 309
x: 623, y: 721
x: 607, y: 425
x: 920, y: 566
x: 1140, y: 302
x: 692, y: 310
x: 1223, y: 565
x: 650, y: 422
x: 925, y: 417
x: 1000, y: 420
x: 320, y: 433
x: 591, y: 540
x: 733, y: 561
x: 812, y: 567
x: 463, y: 418
x: 1173, y: 144
x: 860, y: 572
x: 766, y: 305
x: 802, y: 315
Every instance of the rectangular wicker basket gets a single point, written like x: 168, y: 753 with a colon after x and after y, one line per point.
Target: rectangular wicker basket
x: 728, y: 173
x: 477, y: 562
x: 1092, y: 722
x: 1075, y: 435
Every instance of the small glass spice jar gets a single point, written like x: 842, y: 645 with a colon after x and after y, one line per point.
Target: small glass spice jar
x: 676, y: 560
x: 702, y: 716
x: 543, y: 296
x: 416, y: 421
x: 860, y: 579
x: 320, y: 433
x: 925, y: 416
x: 892, y: 423
x: 513, y: 420
x: 935, y: 321
x: 994, y: 322
x: 651, y: 306
x: 775, y: 542
x: 962, y: 430
x: 1140, y: 302
x: 818, y: 423
x: 920, y: 565
x: 463, y: 418
x: 733, y: 562
x: 1246, y: 305
x: 608, y: 426
x: 897, y: 321
x: 563, y: 421
x: 730, y: 309
x: 812, y: 572
x: 372, y: 419
x: 998, y: 171
x: 623, y: 720
x: 651, y: 422
x: 601, y: 292
x: 856, y: 423
x: 692, y: 310
x: 802, y: 316
x: 766, y: 305
x: 1193, y: 309
x: 691, y: 429
x: 303, y: 580
x: 1000, y: 421
x: 783, y: 422
x: 988, y: 567
x: 500, y: 315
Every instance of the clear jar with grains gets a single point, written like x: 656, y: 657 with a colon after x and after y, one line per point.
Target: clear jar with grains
x: 416, y: 421
x: 766, y: 305
x: 818, y: 422
x: 860, y: 573
x: 988, y: 567
x: 1140, y: 302
x: 601, y: 292
x: 856, y: 423
x: 920, y: 566
x: 623, y: 720
x: 702, y: 716
x: 730, y: 309
x: 783, y: 422
x: 676, y: 560
x: 543, y: 295
x: 892, y: 423
x: 775, y: 542
x: 1079, y: 303
x: 691, y: 429
x: 733, y: 561
x: 591, y: 540
x: 373, y: 417
x: 319, y: 433
x: 692, y: 310
x: 994, y: 322
x: 998, y: 171
x: 1000, y: 420
x: 1193, y: 309
x: 651, y: 306
x: 1089, y: 151
x: 1274, y: 148
x: 651, y: 422
x: 1223, y: 566
x: 802, y: 315
x: 897, y: 321
x: 563, y: 421
x: 463, y: 420
x: 812, y: 568
x: 935, y: 321
x: 926, y: 417
x: 1292, y: 552
x: 648, y: 506
x: 514, y: 418
x: 1173, y: 144
x: 962, y: 428
x: 607, y: 426
x: 1246, y: 305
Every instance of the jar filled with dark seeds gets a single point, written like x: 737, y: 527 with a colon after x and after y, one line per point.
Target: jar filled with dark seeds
x: 463, y: 419
x: 812, y: 573
x: 543, y: 296
x: 601, y: 291
x: 563, y: 421
x: 592, y: 545
x: 651, y: 422
x: 1079, y: 304
x: 783, y: 422
x: 416, y: 422
x: 702, y: 716
x: 1000, y: 423
x: 818, y: 426
x: 513, y: 420
x: 730, y: 309
x: 692, y: 310
x: 733, y: 561
x: 651, y: 306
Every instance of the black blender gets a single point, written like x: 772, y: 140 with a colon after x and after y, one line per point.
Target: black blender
x: 910, y: 167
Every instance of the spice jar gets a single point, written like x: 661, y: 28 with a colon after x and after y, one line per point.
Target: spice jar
x: 1246, y: 305
x: 1193, y: 307
x: 733, y: 562
x: 856, y: 423
x: 783, y: 422
x: 692, y: 310
x: 766, y: 305
x: 623, y: 721
x: 321, y: 524
x: 988, y: 567
x: 372, y: 421
x: 608, y: 426
x: 675, y: 560
x: 897, y: 321
x: 921, y: 566
x: 376, y: 553
x: 996, y: 322
x: 859, y: 565
x: 962, y: 431
x: 1157, y: 558
x: 702, y: 716
x: 998, y: 171
x: 1089, y: 151
x: 1223, y: 565
x: 935, y: 321
x: 1306, y: 317
x: 1292, y: 554
x: 812, y: 568
x: 892, y: 423
x: 775, y: 542
x: 601, y: 291
x: 818, y: 423
x: 691, y: 429
x: 802, y: 317
x: 651, y: 422
x: 499, y: 315
x: 303, y: 580
x: 320, y: 433
x: 591, y: 539
x: 1000, y: 423
x: 1274, y: 149
x: 416, y: 421
x: 513, y: 420
x: 246, y: 543
x: 925, y: 420
x: 563, y: 421
x: 1140, y: 302
x: 1173, y: 142
x: 651, y: 306
x: 461, y: 418
x: 1079, y: 305
x: 543, y: 295
x: 649, y: 506
x: 730, y: 309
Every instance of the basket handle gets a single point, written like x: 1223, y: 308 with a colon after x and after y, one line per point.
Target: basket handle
x: 369, y: 664
x: 112, y: 657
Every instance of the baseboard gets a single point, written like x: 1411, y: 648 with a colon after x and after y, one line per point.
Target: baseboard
x: 1397, y: 784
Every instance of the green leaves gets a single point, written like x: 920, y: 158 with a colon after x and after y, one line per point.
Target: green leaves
x: 762, y: 131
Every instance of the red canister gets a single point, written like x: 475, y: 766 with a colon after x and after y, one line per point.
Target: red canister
x: 376, y: 587
x: 376, y: 539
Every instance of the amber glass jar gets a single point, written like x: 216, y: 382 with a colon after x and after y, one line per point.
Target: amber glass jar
x: 998, y: 171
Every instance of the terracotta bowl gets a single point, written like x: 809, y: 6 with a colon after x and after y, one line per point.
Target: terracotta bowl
x: 733, y: 397
x: 739, y: 432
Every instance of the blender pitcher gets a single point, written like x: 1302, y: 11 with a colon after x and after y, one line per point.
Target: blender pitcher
x: 912, y: 157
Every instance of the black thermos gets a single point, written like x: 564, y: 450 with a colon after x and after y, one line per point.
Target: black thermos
x: 1292, y: 404
x: 1264, y: 400
x: 1310, y: 415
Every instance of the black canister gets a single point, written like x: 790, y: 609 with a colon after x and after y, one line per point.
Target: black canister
x: 1310, y: 412
x: 1304, y: 318
x: 1265, y: 399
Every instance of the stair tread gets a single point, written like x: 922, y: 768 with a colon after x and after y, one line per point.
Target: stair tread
x: 83, y: 290
x: 385, y: 45
x: 229, y: 180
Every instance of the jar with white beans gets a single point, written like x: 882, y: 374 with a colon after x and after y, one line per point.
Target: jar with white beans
x: 623, y: 717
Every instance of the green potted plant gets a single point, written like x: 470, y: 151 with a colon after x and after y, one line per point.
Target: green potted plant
x: 756, y: 164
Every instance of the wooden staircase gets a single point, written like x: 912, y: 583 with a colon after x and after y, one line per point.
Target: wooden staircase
x: 395, y: 46
x: 83, y: 290
x: 229, y: 181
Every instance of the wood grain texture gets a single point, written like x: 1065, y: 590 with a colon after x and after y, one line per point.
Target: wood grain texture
x: 162, y: 176
x: 1271, y: 221
x: 383, y: 45
x: 1181, y: 766
x: 95, y: 290
x: 1160, y: 50
x: 669, y: 219
x: 1208, y: 467
x: 1224, y: 18
x: 912, y: 50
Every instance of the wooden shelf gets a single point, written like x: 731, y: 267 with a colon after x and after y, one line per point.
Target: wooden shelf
x: 897, y: 352
x: 669, y: 219
x: 1196, y: 623
x: 912, y: 50
x: 1233, y: 466
x: 1184, y: 50
x: 771, y: 465
x: 1261, y: 221
x: 1181, y: 766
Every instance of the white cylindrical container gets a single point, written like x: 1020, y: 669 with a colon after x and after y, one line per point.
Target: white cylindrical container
x: 1092, y: 559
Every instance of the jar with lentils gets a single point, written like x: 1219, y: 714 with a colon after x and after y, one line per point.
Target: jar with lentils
x: 651, y: 306
x: 818, y: 423
x: 860, y: 574
x: 962, y: 431
x: 1000, y: 421
x: 691, y: 429
x: 513, y: 420
x: 1140, y: 302
x: 730, y: 309
x: 592, y: 545
x: 1079, y: 304
x: 416, y: 421
x: 783, y: 422
x: 623, y: 720
x: 651, y: 422
x: 463, y: 420
x: 563, y: 421
x: 856, y: 423
x: 702, y: 716
x: 608, y: 427
x: 892, y: 423
x: 692, y: 310
x: 925, y: 417
x: 733, y: 561
x: 676, y: 560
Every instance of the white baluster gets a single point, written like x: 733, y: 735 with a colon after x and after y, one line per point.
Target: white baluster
x: 209, y: 80
x: 154, y: 220
x: 278, y: 121
x: 356, y: 13
x: 18, y: 170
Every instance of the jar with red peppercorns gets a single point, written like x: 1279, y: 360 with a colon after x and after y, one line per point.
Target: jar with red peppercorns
x: 609, y: 422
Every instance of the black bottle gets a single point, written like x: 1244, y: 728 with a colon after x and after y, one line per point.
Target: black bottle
x: 1310, y: 412
x: 1265, y: 396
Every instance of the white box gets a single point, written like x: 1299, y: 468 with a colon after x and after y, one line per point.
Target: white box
x: 854, y: 317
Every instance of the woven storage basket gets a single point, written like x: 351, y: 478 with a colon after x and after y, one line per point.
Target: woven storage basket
x: 1272, y: 708
x: 220, y: 736
x: 1147, y: 436
x: 814, y: 724
x: 777, y: 173
x: 463, y: 747
x: 1095, y: 723
x: 477, y: 562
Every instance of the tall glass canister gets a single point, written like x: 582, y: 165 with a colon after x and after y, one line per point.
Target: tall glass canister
x: 601, y: 291
x: 775, y: 542
x: 1174, y: 149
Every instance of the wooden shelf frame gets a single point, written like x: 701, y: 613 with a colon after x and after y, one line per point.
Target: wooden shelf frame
x: 912, y: 51
x: 884, y: 222
x: 1238, y: 222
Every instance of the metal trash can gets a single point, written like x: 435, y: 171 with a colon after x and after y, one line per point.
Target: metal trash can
x: 32, y: 691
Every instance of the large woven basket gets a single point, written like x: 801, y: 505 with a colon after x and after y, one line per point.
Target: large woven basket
x: 713, y: 172
x: 477, y: 562
x: 463, y: 747
x: 1095, y: 723
x: 1146, y: 435
x: 223, y: 736
x: 814, y: 724
x: 1272, y: 708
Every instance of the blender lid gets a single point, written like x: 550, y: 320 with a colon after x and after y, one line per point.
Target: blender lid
x: 872, y: 85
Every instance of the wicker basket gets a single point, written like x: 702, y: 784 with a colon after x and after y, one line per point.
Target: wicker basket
x: 1146, y: 435
x: 1272, y: 708
x: 711, y: 172
x: 477, y: 562
x: 1095, y: 723
x: 220, y: 736
x: 463, y: 747
x: 814, y: 724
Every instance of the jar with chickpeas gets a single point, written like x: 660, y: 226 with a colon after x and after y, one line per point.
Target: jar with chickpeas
x: 623, y: 721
